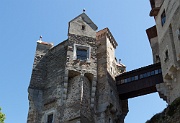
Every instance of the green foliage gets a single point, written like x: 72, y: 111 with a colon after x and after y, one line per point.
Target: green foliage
x: 173, y: 107
x: 169, y: 115
x: 156, y: 118
x: 2, y: 117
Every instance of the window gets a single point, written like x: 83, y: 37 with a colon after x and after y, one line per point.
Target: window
x: 122, y: 81
x: 145, y: 75
x: 152, y: 72
x: 83, y: 27
x: 132, y: 78
x: 157, y: 58
x: 81, y: 52
x: 156, y: 71
x: 163, y: 18
x: 136, y: 77
x: 148, y: 74
x: 160, y: 71
x: 166, y: 56
x: 141, y: 76
x: 111, y: 92
x: 50, y: 118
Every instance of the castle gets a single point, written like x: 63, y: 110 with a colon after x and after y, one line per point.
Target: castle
x: 75, y: 81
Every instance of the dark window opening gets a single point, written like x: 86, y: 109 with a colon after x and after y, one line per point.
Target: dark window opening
x: 148, y: 74
x: 163, y: 18
x: 141, y: 76
x: 82, y: 54
x: 136, y: 77
x: 132, y: 78
x: 145, y: 75
x: 122, y: 81
x: 109, y: 120
x: 128, y: 79
x: 50, y: 118
x: 156, y: 72
x: 160, y: 71
x: 166, y: 55
x: 178, y: 32
x: 152, y: 72
x: 83, y: 27
x: 111, y: 92
x: 157, y: 58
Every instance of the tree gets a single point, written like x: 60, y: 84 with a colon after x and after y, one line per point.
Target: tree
x: 2, y: 116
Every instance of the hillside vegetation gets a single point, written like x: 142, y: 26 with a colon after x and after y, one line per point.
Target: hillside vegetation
x: 171, y: 114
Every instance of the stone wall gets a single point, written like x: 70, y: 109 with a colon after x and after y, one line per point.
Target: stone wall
x: 79, y: 26
x: 75, y: 90
x: 46, y: 95
x: 168, y: 41
x: 109, y: 107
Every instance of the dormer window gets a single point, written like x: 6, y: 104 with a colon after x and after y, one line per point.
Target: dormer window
x: 83, y: 27
x: 81, y: 52
x: 163, y: 18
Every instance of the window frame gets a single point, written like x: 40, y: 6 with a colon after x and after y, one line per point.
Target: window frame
x: 78, y: 46
x: 47, y: 113
x: 48, y: 117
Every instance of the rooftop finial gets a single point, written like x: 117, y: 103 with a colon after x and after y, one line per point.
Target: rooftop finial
x: 84, y: 10
x: 40, y: 38
x: 119, y: 61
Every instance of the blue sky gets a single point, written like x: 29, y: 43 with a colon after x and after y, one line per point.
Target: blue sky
x: 23, y: 21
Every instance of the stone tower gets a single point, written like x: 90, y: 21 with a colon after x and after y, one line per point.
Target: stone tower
x: 164, y: 38
x: 74, y: 81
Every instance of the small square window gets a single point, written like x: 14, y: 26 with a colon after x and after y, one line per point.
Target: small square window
x: 141, y: 76
x: 81, y: 54
x: 156, y: 71
x: 50, y: 118
x: 148, y: 74
x: 132, y: 78
x: 152, y: 73
x: 160, y: 71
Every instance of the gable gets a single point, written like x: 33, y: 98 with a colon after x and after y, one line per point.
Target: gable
x: 82, y: 25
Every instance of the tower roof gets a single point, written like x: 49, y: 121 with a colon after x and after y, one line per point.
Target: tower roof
x: 106, y: 32
x: 87, y: 20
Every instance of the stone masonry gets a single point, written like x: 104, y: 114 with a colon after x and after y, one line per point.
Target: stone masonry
x: 164, y: 38
x: 74, y: 81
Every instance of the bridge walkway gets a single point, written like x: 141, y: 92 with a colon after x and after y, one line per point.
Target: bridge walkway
x: 139, y: 82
